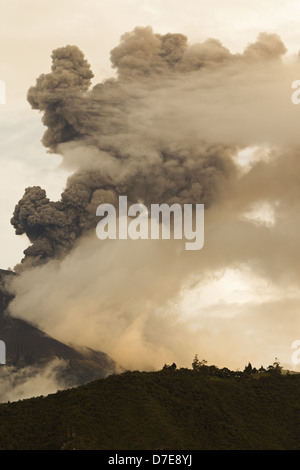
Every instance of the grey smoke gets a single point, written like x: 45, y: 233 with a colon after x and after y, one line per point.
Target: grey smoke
x: 104, y: 121
x: 168, y: 128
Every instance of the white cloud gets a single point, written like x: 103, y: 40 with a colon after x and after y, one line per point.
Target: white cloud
x: 31, y: 381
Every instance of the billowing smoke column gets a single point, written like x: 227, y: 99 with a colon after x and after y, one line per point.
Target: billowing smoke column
x: 108, y: 134
x: 168, y: 128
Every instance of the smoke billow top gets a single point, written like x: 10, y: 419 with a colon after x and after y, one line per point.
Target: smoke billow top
x: 168, y: 127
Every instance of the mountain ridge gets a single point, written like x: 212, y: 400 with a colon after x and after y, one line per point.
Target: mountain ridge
x: 164, y: 410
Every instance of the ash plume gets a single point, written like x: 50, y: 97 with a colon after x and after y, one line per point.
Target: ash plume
x: 169, y: 127
x: 70, y: 77
x: 114, y: 153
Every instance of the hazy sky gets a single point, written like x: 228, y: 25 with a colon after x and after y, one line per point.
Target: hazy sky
x: 31, y: 29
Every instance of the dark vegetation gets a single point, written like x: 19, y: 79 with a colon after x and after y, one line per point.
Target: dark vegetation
x: 200, y: 408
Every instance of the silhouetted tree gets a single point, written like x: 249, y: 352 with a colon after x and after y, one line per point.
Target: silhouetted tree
x: 248, y: 369
x: 172, y: 367
x: 196, y: 363
x: 275, y: 368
